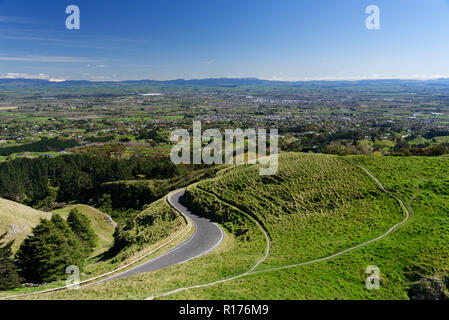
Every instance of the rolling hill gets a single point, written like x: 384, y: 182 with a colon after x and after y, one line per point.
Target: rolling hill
x: 18, y: 220
x: 318, y: 205
x: 314, y: 209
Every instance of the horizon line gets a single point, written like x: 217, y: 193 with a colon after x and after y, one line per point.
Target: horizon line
x: 290, y: 80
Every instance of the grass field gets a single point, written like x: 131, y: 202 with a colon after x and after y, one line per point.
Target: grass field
x: 315, y: 206
x: 417, y: 249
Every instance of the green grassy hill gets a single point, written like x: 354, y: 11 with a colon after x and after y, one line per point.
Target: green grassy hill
x: 318, y: 205
x: 315, y: 206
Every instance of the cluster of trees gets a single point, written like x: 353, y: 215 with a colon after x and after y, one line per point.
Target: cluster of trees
x: 42, y: 145
x: 152, y: 134
x: 73, y: 177
x: 44, y: 255
x: 129, y: 194
x: 344, y: 143
x: 148, y: 226
x: 400, y: 149
x: 54, y: 245
x: 404, y: 149
x: 106, y: 138
x: 435, y: 133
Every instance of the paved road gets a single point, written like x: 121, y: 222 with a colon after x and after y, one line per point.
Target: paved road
x: 207, y: 237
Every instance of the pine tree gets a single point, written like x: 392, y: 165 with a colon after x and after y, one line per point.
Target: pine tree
x: 48, y: 251
x: 82, y: 228
x: 9, y: 278
x: 77, y: 251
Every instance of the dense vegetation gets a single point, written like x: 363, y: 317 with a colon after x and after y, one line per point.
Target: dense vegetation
x: 53, y: 246
x: 151, y: 225
x: 42, y: 145
x: 102, y: 224
x: 38, y: 182
x: 82, y: 229
x: 126, y: 198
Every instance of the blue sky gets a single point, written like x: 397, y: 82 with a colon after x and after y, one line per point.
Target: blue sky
x: 270, y: 39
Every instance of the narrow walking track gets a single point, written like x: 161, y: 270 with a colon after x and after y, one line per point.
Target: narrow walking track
x: 404, y: 209
x: 206, y: 238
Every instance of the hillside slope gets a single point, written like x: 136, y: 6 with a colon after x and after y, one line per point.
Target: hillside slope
x: 101, y: 223
x: 18, y: 220
x: 417, y: 249
x: 316, y: 205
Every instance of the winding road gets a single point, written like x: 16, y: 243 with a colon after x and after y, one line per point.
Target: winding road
x: 207, y: 237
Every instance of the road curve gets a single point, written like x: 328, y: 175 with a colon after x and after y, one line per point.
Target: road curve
x: 207, y: 237
x: 403, y: 207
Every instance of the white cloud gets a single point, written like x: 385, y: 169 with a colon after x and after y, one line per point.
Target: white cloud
x: 356, y: 78
x: 99, y: 77
x: 41, y: 76
x: 208, y: 62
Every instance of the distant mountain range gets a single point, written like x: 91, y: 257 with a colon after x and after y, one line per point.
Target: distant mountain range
x: 211, y: 82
